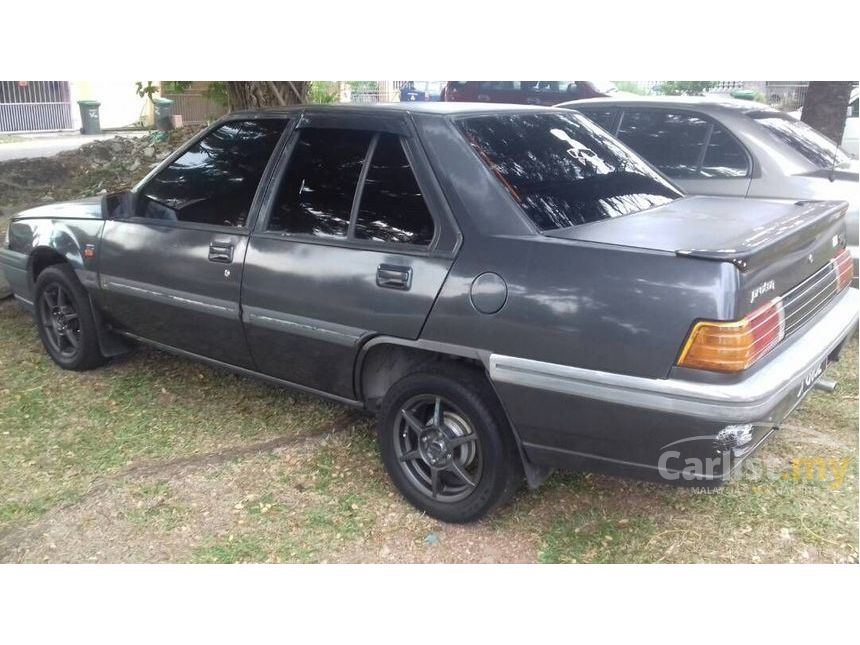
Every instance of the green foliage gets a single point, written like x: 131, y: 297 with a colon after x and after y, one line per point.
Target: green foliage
x: 216, y: 91
x: 630, y: 86
x: 176, y: 87
x: 323, y: 92
x: 687, y: 88
x: 146, y: 92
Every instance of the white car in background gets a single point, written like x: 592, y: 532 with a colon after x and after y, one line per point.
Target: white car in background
x: 733, y: 148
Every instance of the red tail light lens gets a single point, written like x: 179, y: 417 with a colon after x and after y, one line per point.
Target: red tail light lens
x: 734, y: 346
x: 844, y: 269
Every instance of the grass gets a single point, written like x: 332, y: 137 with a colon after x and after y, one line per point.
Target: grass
x: 156, y: 458
x: 598, y: 537
x: 63, y: 431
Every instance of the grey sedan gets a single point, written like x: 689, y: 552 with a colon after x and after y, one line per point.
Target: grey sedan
x: 715, y: 146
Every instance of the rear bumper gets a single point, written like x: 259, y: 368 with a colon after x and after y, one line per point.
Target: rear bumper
x: 569, y: 417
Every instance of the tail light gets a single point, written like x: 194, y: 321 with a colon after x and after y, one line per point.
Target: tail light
x: 734, y: 346
x: 844, y: 265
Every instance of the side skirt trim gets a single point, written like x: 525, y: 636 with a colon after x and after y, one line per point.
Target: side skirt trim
x: 241, y: 370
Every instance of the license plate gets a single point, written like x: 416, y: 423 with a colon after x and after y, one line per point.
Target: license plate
x: 810, y: 379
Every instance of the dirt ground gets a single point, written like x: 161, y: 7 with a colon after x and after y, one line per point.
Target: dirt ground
x: 154, y: 458
x: 102, y: 166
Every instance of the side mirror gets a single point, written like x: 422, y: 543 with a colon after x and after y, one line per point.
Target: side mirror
x: 118, y: 205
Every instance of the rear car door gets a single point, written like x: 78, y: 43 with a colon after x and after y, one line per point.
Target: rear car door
x: 696, y: 152
x: 171, y: 271
x: 355, y: 241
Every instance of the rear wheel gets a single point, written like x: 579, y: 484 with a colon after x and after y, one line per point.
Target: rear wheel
x: 446, y: 445
x: 65, y: 319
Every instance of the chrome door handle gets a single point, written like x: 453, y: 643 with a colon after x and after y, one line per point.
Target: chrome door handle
x: 390, y: 276
x: 221, y: 252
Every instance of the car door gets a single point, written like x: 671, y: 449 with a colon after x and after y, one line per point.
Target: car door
x: 356, y: 241
x: 696, y: 152
x: 170, y: 272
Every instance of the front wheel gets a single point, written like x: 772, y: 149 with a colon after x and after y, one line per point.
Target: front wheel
x: 66, y: 324
x: 446, y: 444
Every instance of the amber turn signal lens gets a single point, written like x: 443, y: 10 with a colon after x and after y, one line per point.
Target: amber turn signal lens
x: 734, y: 346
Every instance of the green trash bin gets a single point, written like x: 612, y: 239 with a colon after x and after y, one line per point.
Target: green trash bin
x: 163, y: 112
x: 90, y: 117
x: 746, y: 95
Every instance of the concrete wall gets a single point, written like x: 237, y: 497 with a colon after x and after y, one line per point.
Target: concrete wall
x: 120, y: 104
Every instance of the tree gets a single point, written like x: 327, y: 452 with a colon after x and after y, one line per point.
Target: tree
x: 826, y: 106
x: 245, y: 95
x: 690, y: 88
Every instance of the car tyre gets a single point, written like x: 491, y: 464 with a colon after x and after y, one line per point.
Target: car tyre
x: 446, y: 444
x: 65, y: 319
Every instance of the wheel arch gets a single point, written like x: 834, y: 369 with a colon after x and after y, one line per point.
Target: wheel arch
x: 383, y: 361
x: 47, y: 255
x: 41, y: 258
x: 53, y: 242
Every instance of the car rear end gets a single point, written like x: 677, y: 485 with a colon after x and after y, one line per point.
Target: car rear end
x: 675, y: 334
x: 733, y: 382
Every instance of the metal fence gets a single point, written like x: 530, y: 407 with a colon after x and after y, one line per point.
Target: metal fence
x: 195, y: 108
x: 376, y: 92
x: 35, y: 106
x: 786, y: 95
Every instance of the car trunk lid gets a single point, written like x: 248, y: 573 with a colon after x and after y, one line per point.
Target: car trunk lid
x: 774, y: 245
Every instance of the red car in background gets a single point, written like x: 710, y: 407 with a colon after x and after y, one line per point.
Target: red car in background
x: 526, y: 92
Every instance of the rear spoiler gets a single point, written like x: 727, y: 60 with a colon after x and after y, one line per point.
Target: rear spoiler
x: 767, y: 243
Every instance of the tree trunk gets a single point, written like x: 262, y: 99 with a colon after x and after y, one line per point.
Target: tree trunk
x: 249, y: 95
x: 826, y: 106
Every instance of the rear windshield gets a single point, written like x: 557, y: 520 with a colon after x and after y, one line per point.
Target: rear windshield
x: 563, y: 170
x: 818, y: 149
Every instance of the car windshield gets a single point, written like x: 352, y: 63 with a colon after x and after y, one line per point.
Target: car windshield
x: 814, y: 146
x: 563, y: 170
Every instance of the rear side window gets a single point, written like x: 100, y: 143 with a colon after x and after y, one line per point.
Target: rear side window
x: 724, y: 156
x: 606, y: 118
x: 316, y: 194
x: 392, y: 207
x: 673, y: 142
x: 818, y: 150
x: 214, y: 181
x: 562, y: 169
